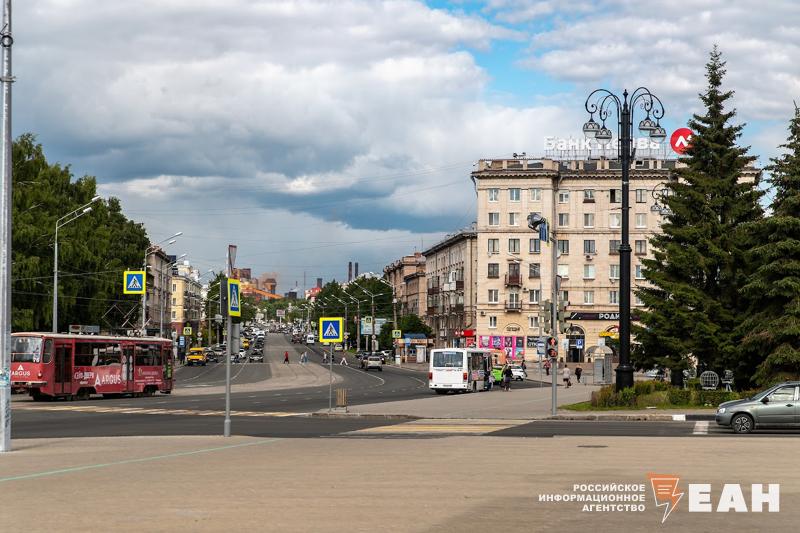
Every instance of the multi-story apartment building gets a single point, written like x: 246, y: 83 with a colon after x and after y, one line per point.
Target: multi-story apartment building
x: 582, y: 201
x: 450, y: 270
x: 187, y: 300
x: 407, y: 278
x: 158, y: 292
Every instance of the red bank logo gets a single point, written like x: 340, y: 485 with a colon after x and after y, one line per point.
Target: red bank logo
x: 680, y: 140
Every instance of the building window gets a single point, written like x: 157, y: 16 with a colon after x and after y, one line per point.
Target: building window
x: 563, y: 197
x: 513, y: 298
x: 588, y: 220
x: 535, y: 246
x: 174, y: 287
x: 637, y: 300
x: 173, y: 314
x: 494, y: 270
x: 513, y: 246
x: 640, y: 247
x: 641, y: 220
x: 638, y: 272
x: 563, y: 271
x: 535, y: 195
x: 494, y: 219
x: 535, y: 270
x: 588, y: 196
x: 513, y: 219
x: 613, y: 247
x: 588, y: 271
x: 494, y: 296
x: 613, y: 272
x: 588, y: 297
x: 641, y: 196
x: 589, y: 247
x: 613, y: 297
x: 534, y: 295
x: 563, y: 246
x: 513, y: 195
x: 494, y: 194
x: 563, y: 296
x: 492, y: 322
x: 494, y: 246
x: 533, y: 322
x: 616, y: 196
x: 563, y: 219
x: 614, y: 220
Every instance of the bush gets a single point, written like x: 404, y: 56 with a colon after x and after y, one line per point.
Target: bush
x: 748, y: 393
x: 661, y: 386
x: 642, y: 388
x: 712, y: 397
x: 627, y: 397
x: 679, y: 396
x: 694, y: 384
x: 653, y: 399
x: 605, y: 397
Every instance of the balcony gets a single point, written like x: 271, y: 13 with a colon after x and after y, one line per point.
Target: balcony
x: 459, y: 284
x: 513, y: 280
x: 513, y: 307
x: 458, y: 308
x: 433, y: 289
x: 431, y: 311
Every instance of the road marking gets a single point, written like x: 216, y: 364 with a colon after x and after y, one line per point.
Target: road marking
x: 158, y: 411
x: 433, y: 427
x: 700, y: 427
x: 133, y: 461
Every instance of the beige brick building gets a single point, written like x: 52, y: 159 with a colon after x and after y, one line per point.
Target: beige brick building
x: 582, y: 202
x: 450, y: 270
x: 187, y: 301
x: 407, y: 277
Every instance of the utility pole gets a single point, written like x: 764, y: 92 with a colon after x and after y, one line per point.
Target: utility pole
x: 6, y: 40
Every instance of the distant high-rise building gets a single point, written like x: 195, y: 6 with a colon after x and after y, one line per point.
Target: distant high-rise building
x: 356, y: 270
x: 319, y: 283
x: 349, y: 271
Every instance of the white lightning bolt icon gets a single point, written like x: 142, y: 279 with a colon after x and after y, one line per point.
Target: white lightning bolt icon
x: 665, y: 492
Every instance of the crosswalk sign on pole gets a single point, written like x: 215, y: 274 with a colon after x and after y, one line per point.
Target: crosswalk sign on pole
x: 331, y: 329
x: 234, y: 298
x: 134, y: 282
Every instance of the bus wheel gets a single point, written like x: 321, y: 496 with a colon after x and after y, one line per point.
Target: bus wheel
x: 83, y: 394
x: 440, y: 391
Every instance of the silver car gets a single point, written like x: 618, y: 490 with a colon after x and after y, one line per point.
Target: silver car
x: 778, y: 406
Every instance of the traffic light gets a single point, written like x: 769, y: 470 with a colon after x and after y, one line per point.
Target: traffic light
x: 564, y: 327
x: 546, y: 316
x: 552, y: 348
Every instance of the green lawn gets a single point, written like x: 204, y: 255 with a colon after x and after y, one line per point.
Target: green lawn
x: 587, y: 406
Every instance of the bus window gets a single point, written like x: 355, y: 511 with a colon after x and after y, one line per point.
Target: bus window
x: 84, y: 354
x: 109, y: 354
x: 47, y: 354
x: 26, y: 349
x: 448, y: 359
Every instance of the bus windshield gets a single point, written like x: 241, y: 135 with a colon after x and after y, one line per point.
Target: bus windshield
x: 26, y: 349
x: 448, y: 359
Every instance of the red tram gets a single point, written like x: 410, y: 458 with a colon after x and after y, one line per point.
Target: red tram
x: 53, y: 365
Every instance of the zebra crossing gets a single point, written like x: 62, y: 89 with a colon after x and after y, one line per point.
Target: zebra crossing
x: 438, y: 427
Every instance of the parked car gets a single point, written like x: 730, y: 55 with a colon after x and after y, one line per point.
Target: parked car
x: 372, y: 361
x: 337, y: 347
x: 360, y: 354
x: 256, y: 358
x: 518, y: 373
x: 776, y: 406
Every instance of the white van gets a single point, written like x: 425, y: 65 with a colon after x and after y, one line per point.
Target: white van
x: 310, y: 338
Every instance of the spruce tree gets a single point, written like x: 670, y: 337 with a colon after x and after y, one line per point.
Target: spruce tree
x: 693, y: 300
x: 771, y: 333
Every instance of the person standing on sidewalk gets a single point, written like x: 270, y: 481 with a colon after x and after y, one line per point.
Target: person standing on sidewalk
x: 578, y: 372
x: 286, y: 358
x: 507, y: 375
x: 567, y: 376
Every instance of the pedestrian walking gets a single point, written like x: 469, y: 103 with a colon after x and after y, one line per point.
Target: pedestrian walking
x: 304, y: 358
x: 578, y: 372
x: 547, y: 367
x: 507, y: 375
x: 491, y: 380
x: 523, y: 366
x: 567, y: 375
x: 286, y: 358
x: 343, y: 361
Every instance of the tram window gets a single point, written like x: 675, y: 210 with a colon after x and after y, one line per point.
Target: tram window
x: 84, y: 353
x: 47, y: 355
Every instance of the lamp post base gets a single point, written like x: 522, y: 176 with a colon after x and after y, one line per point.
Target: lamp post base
x: 624, y: 376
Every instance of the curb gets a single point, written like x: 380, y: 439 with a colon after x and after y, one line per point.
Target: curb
x: 635, y: 417
x: 363, y: 416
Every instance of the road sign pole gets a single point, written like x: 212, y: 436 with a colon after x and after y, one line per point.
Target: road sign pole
x: 229, y: 345
x: 330, y: 379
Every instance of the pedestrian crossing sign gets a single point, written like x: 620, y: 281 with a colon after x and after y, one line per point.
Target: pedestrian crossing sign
x: 133, y: 282
x: 330, y: 329
x: 234, y: 298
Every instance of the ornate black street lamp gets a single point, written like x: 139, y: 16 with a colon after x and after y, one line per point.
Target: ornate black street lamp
x: 603, y: 103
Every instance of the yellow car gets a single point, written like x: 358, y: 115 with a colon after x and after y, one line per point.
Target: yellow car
x: 196, y: 356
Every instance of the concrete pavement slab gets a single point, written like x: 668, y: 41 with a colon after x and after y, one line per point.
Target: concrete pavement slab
x: 405, y: 484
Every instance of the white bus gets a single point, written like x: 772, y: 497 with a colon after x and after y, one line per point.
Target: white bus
x: 310, y: 338
x: 459, y: 369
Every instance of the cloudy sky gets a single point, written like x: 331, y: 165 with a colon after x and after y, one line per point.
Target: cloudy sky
x: 310, y: 133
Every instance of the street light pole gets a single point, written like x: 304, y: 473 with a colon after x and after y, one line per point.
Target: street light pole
x: 60, y: 223
x: 604, y: 104
x: 6, y: 41
x: 358, y: 321
x: 372, y: 298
